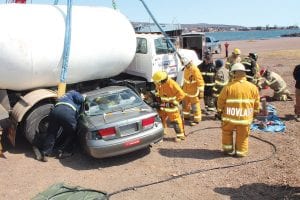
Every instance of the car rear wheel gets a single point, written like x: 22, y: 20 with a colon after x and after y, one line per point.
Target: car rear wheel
x: 36, y: 123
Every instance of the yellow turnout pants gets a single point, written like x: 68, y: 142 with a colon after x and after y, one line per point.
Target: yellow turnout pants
x: 241, y: 142
x: 191, y: 108
x: 174, y: 118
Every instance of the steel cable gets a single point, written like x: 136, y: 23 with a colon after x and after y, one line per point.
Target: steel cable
x: 274, y: 150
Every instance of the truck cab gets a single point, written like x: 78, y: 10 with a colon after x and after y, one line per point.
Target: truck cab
x: 153, y: 53
x: 212, y: 45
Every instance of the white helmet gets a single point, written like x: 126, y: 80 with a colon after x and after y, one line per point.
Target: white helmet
x: 238, y: 67
x: 185, y: 60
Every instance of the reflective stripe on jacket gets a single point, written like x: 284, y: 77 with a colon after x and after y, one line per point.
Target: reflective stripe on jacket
x: 208, y: 71
x: 66, y: 104
x: 170, y: 92
x: 193, y: 81
x: 238, y: 101
x: 275, y: 82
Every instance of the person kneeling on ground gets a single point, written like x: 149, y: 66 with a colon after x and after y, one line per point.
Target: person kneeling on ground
x: 64, y: 115
x: 276, y: 83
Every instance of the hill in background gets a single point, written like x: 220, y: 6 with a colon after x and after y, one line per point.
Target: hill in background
x: 204, y: 27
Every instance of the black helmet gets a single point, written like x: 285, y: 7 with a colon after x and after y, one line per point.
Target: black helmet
x: 254, y: 56
x: 219, y: 63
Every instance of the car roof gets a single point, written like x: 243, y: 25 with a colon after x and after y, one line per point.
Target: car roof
x: 108, y: 89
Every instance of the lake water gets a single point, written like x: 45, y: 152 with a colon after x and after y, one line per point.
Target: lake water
x: 250, y: 35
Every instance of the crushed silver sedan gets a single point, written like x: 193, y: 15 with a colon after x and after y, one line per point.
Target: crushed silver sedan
x: 117, y: 121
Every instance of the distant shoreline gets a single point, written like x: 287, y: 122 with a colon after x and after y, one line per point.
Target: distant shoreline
x: 260, y: 46
x: 252, y: 35
x: 291, y: 35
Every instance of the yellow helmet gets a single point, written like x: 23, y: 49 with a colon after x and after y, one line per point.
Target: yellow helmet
x: 159, y: 76
x: 236, y: 51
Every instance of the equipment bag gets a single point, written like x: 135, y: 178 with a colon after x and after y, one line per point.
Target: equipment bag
x: 62, y: 192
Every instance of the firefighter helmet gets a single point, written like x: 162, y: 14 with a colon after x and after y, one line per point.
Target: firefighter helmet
x: 254, y: 56
x: 238, y: 67
x: 185, y: 60
x: 236, y: 51
x: 159, y: 76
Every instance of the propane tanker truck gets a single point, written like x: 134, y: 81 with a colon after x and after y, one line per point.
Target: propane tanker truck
x: 103, y: 45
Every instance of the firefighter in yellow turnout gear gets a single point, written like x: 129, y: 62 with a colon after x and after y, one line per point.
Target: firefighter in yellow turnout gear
x: 235, y: 57
x: 170, y: 95
x: 238, y: 102
x: 193, y: 87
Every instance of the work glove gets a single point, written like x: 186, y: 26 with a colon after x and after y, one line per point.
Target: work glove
x: 155, y: 105
x: 175, y: 103
x: 218, y: 116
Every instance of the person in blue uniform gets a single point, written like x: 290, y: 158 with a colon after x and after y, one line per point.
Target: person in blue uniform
x: 64, y: 115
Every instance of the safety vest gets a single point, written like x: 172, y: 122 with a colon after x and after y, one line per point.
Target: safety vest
x: 238, y: 101
x: 193, y: 81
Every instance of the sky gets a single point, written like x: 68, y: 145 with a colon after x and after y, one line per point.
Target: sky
x: 231, y: 12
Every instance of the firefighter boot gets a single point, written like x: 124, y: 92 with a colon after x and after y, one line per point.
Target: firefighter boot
x: 193, y: 123
x: 179, y: 137
x: 197, y: 115
x: 179, y: 131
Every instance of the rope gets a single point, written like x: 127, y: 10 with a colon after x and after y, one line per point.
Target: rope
x: 67, y: 42
x: 161, y: 30
x: 274, y: 150
x: 114, y: 5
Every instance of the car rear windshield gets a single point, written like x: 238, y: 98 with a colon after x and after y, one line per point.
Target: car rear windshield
x: 112, y: 102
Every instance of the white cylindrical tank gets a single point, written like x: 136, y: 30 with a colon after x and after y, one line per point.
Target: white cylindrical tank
x: 103, y: 44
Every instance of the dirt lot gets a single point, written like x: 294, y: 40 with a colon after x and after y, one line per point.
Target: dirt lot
x: 194, y: 169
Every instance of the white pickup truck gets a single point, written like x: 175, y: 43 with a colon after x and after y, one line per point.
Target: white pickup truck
x: 212, y: 45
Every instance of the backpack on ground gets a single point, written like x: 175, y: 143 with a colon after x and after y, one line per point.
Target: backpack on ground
x: 61, y: 191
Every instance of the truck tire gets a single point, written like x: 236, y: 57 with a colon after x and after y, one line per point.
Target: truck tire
x: 36, y: 123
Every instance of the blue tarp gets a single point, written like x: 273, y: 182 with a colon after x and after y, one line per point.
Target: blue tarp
x: 272, y: 122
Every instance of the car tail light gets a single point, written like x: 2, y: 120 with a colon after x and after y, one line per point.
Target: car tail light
x: 107, y: 132
x: 148, y: 122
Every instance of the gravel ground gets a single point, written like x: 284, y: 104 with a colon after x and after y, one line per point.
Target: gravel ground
x: 194, y: 169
